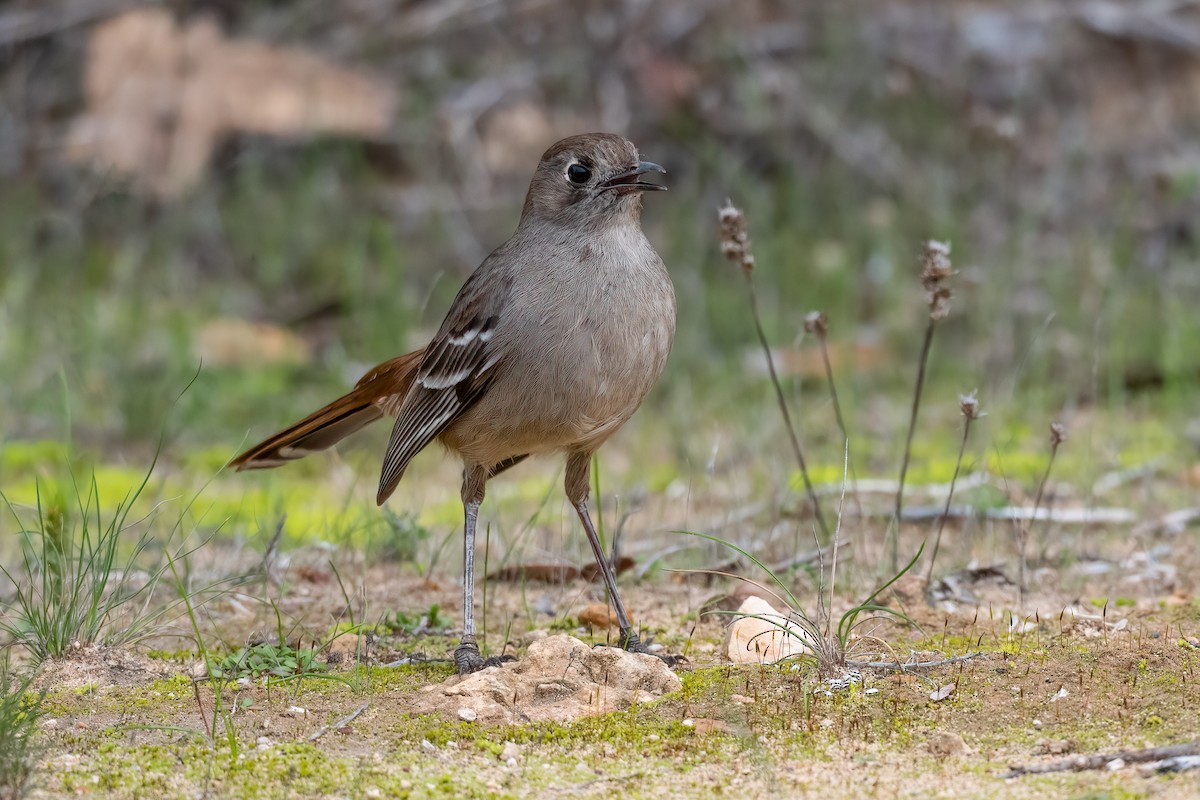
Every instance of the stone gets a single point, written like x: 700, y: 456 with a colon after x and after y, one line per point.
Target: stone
x: 945, y: 744
x: 598, y: 615
x: 762, y: 635
x: 560, y: 679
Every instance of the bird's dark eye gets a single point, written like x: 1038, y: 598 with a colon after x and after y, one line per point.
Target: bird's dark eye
x: 577, y: 173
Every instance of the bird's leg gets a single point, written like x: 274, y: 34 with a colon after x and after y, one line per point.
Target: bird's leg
x: 466, y: 656
x: 578, y: 471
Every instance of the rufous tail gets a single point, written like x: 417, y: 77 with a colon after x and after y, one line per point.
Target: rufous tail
x: 379, y: 392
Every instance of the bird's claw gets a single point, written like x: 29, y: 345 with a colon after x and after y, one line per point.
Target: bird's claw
x: 468, y: 659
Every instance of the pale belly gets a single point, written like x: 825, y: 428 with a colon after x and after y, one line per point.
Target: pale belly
x: 588, y: 376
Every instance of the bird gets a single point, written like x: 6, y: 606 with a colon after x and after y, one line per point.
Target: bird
x: 550, y: 347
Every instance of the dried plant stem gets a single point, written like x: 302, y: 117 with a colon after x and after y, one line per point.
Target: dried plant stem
x: 894, y: 530
x: 783, y: 407
x: 937, y: 540
x: 816, y: 322
x: 1057, y: 436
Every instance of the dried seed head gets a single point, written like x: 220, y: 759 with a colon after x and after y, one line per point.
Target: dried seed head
x: 968, y: 404
x: 936, y: 269
x: 1058, y: 434
x: 735, y: 242
x: 816, y: 322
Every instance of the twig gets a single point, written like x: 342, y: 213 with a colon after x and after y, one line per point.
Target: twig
x: 899, y: 667
x: 1061, y: 516
x: 1081, y: 763
x: 1171, y: 524
x: 887, y: 486
x: 807, y: 556
x: 341, y: 723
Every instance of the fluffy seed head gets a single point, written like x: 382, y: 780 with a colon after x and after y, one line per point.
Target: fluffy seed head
x: 735, y: 242
x: 936, y: 270
x: 968, y: 404
x: 1058, y: 434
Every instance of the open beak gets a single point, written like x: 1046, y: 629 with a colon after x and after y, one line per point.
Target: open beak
x: 629, y: 179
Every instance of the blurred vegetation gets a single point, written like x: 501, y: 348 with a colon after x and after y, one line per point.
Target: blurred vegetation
x: 849, y: 133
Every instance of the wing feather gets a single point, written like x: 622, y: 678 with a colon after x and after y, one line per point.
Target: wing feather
x: 457, y: 368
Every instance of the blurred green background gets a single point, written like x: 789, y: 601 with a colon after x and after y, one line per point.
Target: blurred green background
x: 267, y: 261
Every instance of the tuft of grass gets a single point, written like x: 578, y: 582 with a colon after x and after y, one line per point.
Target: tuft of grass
x: 829, y: 646
x: 80, y: 582
x: 20, y: 710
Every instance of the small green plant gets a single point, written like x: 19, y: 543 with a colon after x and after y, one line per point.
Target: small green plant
x: 277, y: 660
x: 81, y: 580
x: 431, y: 621
x: 20, y: 710
x: 828, y: 646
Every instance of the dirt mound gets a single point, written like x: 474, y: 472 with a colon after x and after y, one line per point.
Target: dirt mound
x: 560, y: 679
x: 98, y: 666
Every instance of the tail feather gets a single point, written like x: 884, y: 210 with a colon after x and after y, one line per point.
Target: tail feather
x: 380, y: 391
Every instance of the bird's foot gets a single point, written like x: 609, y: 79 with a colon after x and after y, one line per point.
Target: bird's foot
x: 632, y: 643
x: 468, y: 659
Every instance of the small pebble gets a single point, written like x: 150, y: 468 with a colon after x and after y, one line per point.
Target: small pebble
x: 428, y: 746
x: 297, y: 711
x: 687, y: 723
x: 467, y: 714
x: 510, y: 753
x: 1037, y: 724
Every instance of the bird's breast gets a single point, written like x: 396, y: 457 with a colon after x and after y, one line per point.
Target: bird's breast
x: 587, y: 337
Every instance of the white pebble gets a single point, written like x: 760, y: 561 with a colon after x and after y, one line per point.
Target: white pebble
x: 467, y: 714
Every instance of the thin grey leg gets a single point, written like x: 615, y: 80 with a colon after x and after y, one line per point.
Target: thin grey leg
x: 578, y: 470
x: 466, y: 655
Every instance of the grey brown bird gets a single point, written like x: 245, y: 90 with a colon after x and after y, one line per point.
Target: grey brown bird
x: 550, y: 346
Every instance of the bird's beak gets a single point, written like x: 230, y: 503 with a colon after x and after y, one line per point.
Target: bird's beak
x: 629, y: 178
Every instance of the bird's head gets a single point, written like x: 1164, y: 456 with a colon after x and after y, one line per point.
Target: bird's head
x: 590, y: 179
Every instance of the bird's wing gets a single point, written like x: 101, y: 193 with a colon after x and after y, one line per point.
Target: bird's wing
x: 458, y: 366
